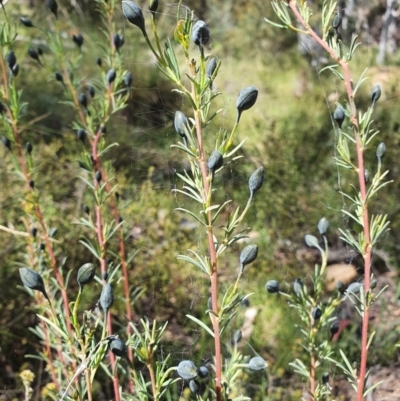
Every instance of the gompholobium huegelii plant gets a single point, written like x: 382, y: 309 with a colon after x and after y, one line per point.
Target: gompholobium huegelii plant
x: 194, y: 83
x: 355, y: 135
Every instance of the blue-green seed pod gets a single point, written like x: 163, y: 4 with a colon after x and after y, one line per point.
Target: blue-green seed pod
x: 334, y: 329
x: 211, y: 66
x: 311, y: 241
x: 181, y: 124
x: 257, y: 363
x: 78, y: 39
x: 246, y: 99
x: 375, y: 94
x: 33, y: 54
x: 215, y: 161
x: 272, y: 286
x: 6, y: 142
x: 256, y: 180
x: 194, y: 386
x: 248, y: 255
x: 337, y: 21
x: 366, y: 176
x: 354, y: 288
x: 118, y: 347
x: 338, y: 115
x: 98, y: 176
x: 91, y: 91
x: 325, y: 378
x: 117, y: 41
x: 200, y: 33
x: 81, y: 134
x: 111, y: 75
x: 106, y: 298
x: 298, y: 287
x: 52, y: 6
x: 203, y: 372
x: 380, y: 150
x: 15, y: 70
x: 187, y: 370
x: 11, y: 59
x: 28, y: 148
x: 316, y: 313
x: 26, y: 22
x: 237, y: 336
x: 128, y: 79
x: 82, y: 99
x: 59, y: 77
x: 134, y: 15
x: 85, y: 274
x: 32, y: 280
x: 323, y: 226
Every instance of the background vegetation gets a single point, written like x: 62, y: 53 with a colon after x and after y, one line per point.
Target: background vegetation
x: 290, y: 133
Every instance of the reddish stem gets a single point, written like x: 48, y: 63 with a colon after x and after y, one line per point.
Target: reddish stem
x: 367, y: 252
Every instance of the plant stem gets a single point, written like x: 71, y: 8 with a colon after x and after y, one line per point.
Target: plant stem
x: 367, y: 252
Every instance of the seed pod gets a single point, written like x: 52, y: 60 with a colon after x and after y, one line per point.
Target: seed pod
x: 153, y: 6
x: 200, y: 33
x: 181, y: 124
x: 256, y: 180
x: 257, y: 363
x: 82, y: 100
x: 118, y: 347
x: 375, y: 94
x: 34, y: 232
x: 134, y: 15
x: 78, y: 39
x: 380, y: 150
x: 216, y: 161
x: 34, y: 54
x: 85, y: 274
x: 106, y: 297
x: 246, y: 99
x: 32, y: 280
x: 6, y: 142
x: 248, y: 255
x: 91, y: 90
x: 26, y: 22
x: 81, y: 134
x: 32, y: 184
x: 211, y: 66
x: 86, y: 209
x: 323, y: 226
x: 316, y: 313
x: 337, y: 21
x: 298, y: 287
x: 98, y: 61
x: 202, y: 372
x: 272, y: 286
x: 128, y: 79
x: 334, y: 329
x: 194, y: 387
x: 98, y: 176
x: 117, y: 41
x: 111, y: 75
x: 366, y: 176
x: 11, y: 59
x: 354, y: 288
x: 338, y: 115
x: 311, y: 241
x: 15, y: 70
x: 28, y: 148
x: 325, y: 378
x: 59, y: 77
x: 187, y: 370
x: 237, y: 336
x: 52, y: 6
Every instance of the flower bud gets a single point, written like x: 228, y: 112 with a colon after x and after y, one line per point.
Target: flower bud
x: 86, y: 273
x: 82, y: 99
x: 78, y: 39
x: 256, y: 180
x: 6, y: 142
x: 40, y: 51
x: 98, y: 61
x: 26, y: 22
x: 11, y: 59
x: 53, y: 232
x: 272, y: 286
x: 104, y: 276
x: 325, y: 378
x: 338, y: 115
x: 211, y: 66
x: 248, y: 255
x: 118, y: 347
x: 153, y: 6
x: 98, y: 176
x: 32, y: 280
x: 181, y: 124
x: 216, y: 161
x: 15, y: 70
x: 298, y: 287
x: 128, y: 79
x: 117, y: 41
x: 323, y: 226
x: 354, y: 288
x: 334, y: 329
x: 337, y: 21
x: 380, y: 150
x: 311, y: 241
x: 32, y: 184
x: 34, y: 54
x: 246, y: 99
x: 366, y: 176
x: 375, y: 94
x: 257, y: 363
x: 111, y: 75
x: 316, y: 313
x: 28, y: 148
x: 91, y: 90
x: 187, y: 370
x: 200, y: 33
x: 237, y: 336
x: 34, y: 232
x: 106, y: 297
x: 203, y: 372
x: 81, y: 134
x: 134, y: 15
x: 194, y: 386
x: 2, y: 108
x: 86, y: 209
x: 52, y: 6
x: 59, y: 77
